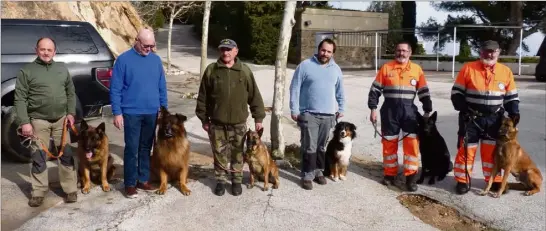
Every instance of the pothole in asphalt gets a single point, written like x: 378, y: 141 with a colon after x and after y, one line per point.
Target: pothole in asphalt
x: 439, y: 215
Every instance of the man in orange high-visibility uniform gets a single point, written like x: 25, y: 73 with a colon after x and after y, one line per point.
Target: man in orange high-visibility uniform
x: 483, y: 90
x: 399, y: 81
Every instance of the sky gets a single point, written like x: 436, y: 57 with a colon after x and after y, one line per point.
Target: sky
x: 424, y: 12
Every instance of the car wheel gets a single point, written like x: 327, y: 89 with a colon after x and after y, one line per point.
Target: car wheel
x: 11, y: 143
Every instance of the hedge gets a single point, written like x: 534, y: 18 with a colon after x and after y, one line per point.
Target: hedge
x: 467, y: 59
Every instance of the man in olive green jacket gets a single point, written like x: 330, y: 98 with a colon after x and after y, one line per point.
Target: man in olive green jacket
x: 44, y: 98
x: 227, y: 90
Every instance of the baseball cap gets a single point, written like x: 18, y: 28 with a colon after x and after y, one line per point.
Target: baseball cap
x: 227, y: 43
x: 490, y: 45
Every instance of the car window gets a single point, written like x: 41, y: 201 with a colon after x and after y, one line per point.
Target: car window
x: 72, y: 40
x: 21, y: 39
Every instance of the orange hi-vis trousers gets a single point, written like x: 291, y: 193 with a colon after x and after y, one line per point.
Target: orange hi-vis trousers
x: 490, y: 126
x: 410, y: 145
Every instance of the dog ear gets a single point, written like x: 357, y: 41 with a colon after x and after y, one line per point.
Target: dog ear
x: 434, y: 116
x: 101, y: 129
x: 83, y: 126
x: 181, y: 117
x: 260, y: 132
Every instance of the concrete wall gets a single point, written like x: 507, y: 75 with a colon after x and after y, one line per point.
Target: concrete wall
x: 313, y: 21
x: 427, y: 65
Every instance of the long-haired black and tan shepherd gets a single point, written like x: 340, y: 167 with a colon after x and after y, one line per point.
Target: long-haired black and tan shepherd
x: 512, y: 158
x: 259, y: 160
x: 95, y: 162
x: 171, y: 152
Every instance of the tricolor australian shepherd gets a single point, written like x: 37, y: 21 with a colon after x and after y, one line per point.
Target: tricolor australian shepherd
x: 338, y: 151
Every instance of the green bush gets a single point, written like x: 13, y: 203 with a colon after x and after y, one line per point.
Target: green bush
x: 462, y: 59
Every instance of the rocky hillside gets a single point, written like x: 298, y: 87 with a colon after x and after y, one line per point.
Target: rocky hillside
x: 117, y: 22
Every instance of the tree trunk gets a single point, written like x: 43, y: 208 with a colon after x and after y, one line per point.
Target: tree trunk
x: 171, y: 20
x: 205, y: 37
x: 277, y: 137
x: 516, y: 18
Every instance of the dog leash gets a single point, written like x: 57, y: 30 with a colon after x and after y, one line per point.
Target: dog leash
x: 44, y: 148
x: 376, y: 132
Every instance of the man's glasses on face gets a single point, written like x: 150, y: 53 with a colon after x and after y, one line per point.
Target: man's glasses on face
x: 146, y: 46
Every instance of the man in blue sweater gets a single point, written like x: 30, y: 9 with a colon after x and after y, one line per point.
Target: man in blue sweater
x: 316, y: 86
x: 137, y: 91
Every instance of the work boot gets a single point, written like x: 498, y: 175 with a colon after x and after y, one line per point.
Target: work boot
x: 320, y: 180
x: 307, y: 184
x: 461, y: 188
x: 388, y: 180
x: 220, y: 189
x: 236, y: 189
x: 131, y: 192
x: 410, y: 182
x: 72, y: 197
x: 35, y: 201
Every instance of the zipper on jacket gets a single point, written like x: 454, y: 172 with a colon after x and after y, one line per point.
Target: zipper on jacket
x: 229, y: 93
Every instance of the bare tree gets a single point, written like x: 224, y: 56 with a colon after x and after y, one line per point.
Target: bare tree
x: 205, y: 36
x: 176, y: 9
x: 277, y: 137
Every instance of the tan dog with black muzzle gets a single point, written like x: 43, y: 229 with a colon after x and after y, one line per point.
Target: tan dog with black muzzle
x: 259, y: 160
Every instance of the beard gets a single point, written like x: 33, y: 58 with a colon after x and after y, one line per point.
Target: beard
x: 324, y: 59
x: 488, y: 61
x: 401, y: 59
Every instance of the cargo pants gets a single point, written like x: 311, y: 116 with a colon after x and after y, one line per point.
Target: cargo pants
x: 227, y: 142
x: 39, y: 178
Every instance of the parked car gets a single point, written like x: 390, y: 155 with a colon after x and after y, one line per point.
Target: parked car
x: 79, y: 47
x: 540, y: 70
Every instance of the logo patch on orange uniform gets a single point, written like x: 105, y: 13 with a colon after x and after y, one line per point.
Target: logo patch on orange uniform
x: 413, y: 82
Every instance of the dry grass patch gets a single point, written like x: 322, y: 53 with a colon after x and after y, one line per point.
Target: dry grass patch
x: 439, y: 215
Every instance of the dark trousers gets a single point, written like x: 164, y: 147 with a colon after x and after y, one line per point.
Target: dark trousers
x: 315, y: 131
x: 139, y: 132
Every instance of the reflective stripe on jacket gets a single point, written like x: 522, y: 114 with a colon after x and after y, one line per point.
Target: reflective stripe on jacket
x: 400, y: 83
x: 485, y: 89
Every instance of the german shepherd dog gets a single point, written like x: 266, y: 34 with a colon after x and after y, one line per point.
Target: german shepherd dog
x: 171, y: 152
x: 259, y: 160
x: 95, y: 162
x: 435, y: 157
x: 512, y: 158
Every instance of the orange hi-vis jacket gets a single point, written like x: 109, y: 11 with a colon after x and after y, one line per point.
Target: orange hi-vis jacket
x: 399, y: 83
x: 484, y: 89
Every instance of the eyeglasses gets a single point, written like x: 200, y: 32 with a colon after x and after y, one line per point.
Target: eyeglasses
x: 148, y: 46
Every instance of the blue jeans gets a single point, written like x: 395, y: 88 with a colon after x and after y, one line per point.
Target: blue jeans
x: 139, y: 132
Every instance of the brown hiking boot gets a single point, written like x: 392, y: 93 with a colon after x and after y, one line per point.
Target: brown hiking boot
x: 72, y: 197
x: 145, y: 186
x: 35, y: 201
x: 320, y: 180
x: 131, y: 192
x: 307, y: 184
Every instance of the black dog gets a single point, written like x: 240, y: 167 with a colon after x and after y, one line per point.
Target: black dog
x: 339, y: 151
x: 435, y: 157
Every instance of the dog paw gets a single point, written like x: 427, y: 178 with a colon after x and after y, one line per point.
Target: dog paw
x: 527, y: 193
x: 85, y: 190
x: 420, y: 181
x: 186, y: 192
x: 342, y: 177
x: 483, y: 193
x: 275, y: 186
x: 106, y: 188
x: 265, y: 189
x: 431, y: 182
x: 496, y: 195
x: 160, y: 191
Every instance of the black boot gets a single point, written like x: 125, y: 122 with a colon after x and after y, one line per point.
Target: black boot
x: 388, y: 180
x: 220, y: 189
x: 236, y: 189
x: 410, y: 182
x: 461, y: 188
